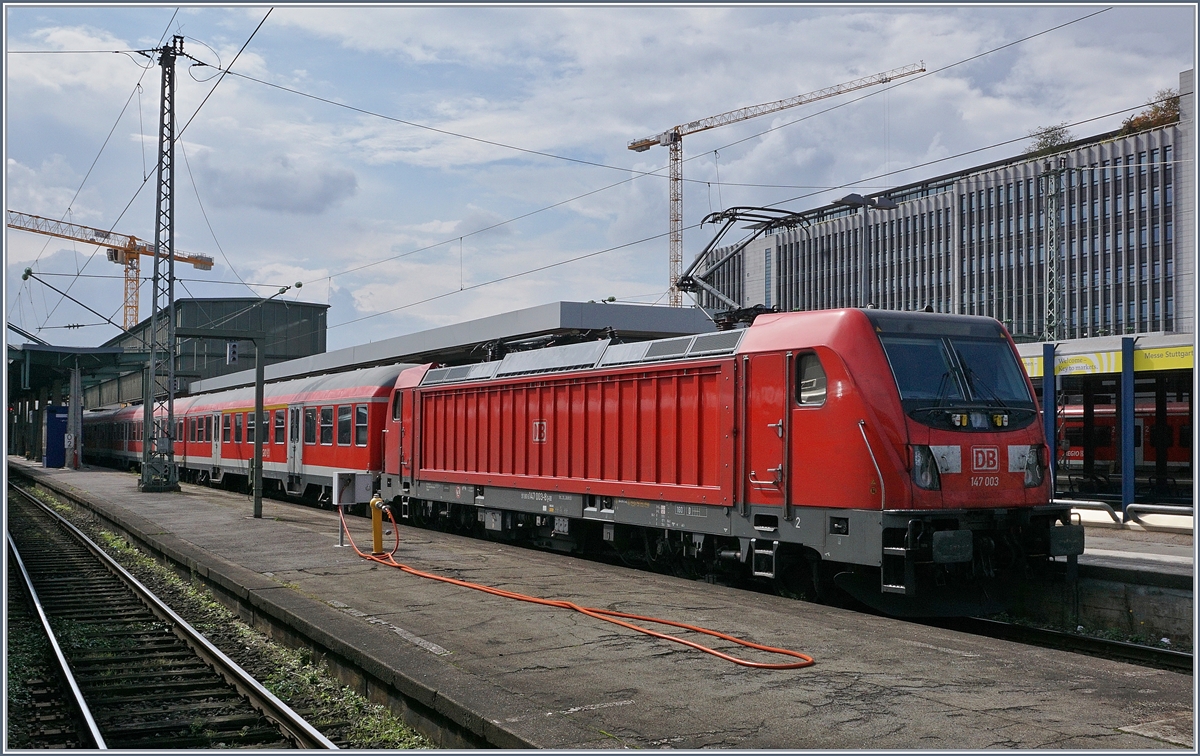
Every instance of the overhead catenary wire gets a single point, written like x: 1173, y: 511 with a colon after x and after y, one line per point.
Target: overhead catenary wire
x: 136, y: 89
x: 393, y: 257
x: 178, y: 137
x: 913, y: 79
x: 656, y: 172
x: 698, y: 225
x: 505, y: 278
x: 207, y: 222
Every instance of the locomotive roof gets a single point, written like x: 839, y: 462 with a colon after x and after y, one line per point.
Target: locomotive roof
x: 592, y: 354
x: 604, y: 353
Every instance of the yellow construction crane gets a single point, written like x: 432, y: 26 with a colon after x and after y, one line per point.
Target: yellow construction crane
x: 673, y: 138
x: 122, y: 249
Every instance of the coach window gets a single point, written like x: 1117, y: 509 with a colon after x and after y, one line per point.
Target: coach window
x: 810, y: 380
x: 225, y: 424
x: 280, y: 427
x: 208, y: 428
x: 237, y: 428
x: 310, y: 425
x: 360, y: 425
x: 191, y: 429
x: 250, y: 427
x: 344, y: 421
x: 327, y: 425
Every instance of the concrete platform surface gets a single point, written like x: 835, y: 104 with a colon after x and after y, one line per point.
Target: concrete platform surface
x: 530, y: 676
x: 1144, y: 550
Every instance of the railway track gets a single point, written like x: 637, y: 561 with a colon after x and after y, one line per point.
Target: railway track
x: 1117, y: 650
x: 41, y: 708
x: 1133, y: 653
x: 145, y: 677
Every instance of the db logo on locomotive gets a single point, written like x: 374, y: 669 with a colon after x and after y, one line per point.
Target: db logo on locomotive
x: 985, y: 458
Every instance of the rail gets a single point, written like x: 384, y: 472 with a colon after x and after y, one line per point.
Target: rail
x: 300, y: 731
x: 1132, y: 653
x: 60, y: 660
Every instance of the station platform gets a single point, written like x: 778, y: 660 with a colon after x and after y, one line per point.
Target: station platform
x: 525, y: 676
x: 1159, y: 544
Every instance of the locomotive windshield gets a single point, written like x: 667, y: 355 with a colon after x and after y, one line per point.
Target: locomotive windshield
x: 960, y: 377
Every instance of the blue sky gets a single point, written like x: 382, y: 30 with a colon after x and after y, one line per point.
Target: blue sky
x: 368, y: 212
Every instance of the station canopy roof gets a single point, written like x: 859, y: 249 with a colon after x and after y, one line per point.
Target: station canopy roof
x: 33, y: 366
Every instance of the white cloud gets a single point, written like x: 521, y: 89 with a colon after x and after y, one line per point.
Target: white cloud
x: 278, y: 183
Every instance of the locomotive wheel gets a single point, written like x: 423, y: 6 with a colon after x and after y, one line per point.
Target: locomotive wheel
x: 795, y: 575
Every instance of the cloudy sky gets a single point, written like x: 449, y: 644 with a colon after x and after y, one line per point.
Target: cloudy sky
x: 425, y: 153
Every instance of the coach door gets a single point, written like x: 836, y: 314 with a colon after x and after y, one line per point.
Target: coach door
x: 216, y: 439
x: 295, y: 449
x: 766, y: 429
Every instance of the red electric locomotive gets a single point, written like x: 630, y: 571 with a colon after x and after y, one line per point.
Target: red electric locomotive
x: 897, y: 455
x: 322, y: 435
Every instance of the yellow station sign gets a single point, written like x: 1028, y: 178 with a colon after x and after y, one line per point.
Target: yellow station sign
x: 1162, y: 358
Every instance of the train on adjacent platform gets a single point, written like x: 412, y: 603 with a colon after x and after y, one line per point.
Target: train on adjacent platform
x: 896, y: 456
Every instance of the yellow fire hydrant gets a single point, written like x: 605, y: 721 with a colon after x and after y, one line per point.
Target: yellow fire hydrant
x: 376, y: 526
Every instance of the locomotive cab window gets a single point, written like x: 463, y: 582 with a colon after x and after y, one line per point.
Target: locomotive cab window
x: 942, y: 378
x: 397, y: 404
x: 810, y: 380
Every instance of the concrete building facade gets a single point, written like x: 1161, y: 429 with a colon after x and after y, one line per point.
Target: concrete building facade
x: 976, y: 241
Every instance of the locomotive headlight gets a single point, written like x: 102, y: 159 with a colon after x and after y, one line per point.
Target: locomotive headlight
x: 1035, y: 471
x: 924, y: 468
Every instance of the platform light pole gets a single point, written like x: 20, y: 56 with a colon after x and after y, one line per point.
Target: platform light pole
x: 866, y: 203
x: 259, y: 338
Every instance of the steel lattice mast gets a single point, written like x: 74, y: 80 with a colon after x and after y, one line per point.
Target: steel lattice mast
x: 1053, y: 288
x: 158, y: 453
x: 673, y: 138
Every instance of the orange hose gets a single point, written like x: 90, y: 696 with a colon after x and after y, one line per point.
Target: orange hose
x: 607, y: 615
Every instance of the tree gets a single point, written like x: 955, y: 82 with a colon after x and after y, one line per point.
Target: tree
x: 1162, y: 109
x: 1048, y: 139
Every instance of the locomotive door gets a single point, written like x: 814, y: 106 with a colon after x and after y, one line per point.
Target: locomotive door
x: 766, y: 429
x: 295, y: 448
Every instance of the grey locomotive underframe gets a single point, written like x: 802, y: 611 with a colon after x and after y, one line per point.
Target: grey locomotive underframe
x: 895, y: 541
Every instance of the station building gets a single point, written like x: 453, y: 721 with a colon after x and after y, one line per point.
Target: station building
x: 977, y: 241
